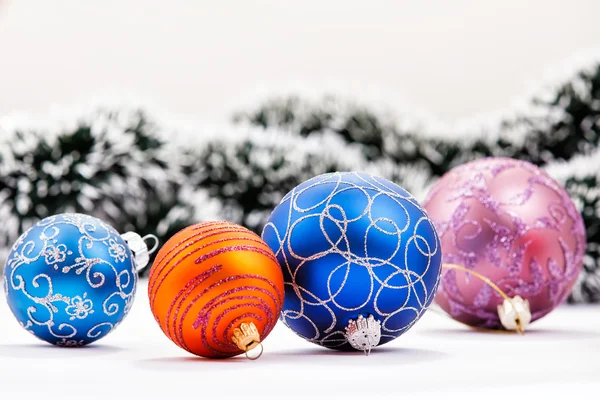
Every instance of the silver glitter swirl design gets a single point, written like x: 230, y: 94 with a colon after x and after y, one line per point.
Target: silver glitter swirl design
x: 403, y: 241
x: 40, y: 290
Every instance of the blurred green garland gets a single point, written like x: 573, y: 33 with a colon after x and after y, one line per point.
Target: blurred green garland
x: 108, y: 163
x: 120, y: 165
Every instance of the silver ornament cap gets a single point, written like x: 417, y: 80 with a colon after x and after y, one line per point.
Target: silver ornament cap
x: 364, y: 333
x: 139, y: 248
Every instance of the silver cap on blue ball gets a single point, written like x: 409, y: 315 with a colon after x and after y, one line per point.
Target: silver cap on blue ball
x: 364, y: 333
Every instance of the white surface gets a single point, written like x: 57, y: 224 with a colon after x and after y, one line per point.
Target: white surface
x: 437, y: 359
x: 454, y: 58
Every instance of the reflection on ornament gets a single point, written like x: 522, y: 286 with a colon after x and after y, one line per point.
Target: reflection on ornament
x: 510, y: 223
x: 216, y: 290
x: 71, y: 279
x: 358, y: 253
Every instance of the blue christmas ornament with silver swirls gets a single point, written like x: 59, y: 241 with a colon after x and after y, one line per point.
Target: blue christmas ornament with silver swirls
x: 71, y: 278
x: 360, y: 258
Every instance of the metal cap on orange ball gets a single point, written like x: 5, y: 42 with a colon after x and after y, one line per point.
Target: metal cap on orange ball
x: 216, y: 290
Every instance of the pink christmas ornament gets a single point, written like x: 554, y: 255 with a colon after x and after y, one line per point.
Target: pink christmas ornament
x: 508, y: 221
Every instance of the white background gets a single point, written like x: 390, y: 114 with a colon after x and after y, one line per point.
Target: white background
x: 559, y: 358
x: 195, y: 58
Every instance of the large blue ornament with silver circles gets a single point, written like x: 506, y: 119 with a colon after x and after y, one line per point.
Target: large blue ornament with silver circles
x: 70, y: 279
x: 360, y: 257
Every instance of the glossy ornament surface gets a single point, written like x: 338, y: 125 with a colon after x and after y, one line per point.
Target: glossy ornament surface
x: 510, y: 222
x: 70, y: 279
x: 210, y: 283
x: 358, y: 254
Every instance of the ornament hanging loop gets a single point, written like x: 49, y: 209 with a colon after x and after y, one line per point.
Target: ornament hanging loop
x: 139, y: 248
x: 369, y: 346
x: 153, y: 237
x: 253, y: 347
x: 520, y: 330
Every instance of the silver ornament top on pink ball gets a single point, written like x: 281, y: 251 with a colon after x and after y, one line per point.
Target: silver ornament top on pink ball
x: 512, y: 223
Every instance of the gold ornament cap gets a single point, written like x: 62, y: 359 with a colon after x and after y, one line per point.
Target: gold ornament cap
x: 246, y: 338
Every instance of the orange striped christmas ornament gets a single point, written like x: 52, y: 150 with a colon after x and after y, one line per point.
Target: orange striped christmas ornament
x: 216, y: 289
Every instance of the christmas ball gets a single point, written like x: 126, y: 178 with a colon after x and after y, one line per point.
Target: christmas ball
x: 215, y: 289
x: 70, y: 279
x: 509, y: 222
x: 361, y: 260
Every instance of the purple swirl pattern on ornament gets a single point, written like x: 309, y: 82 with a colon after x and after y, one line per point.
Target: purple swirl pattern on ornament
x: 509, y: 221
